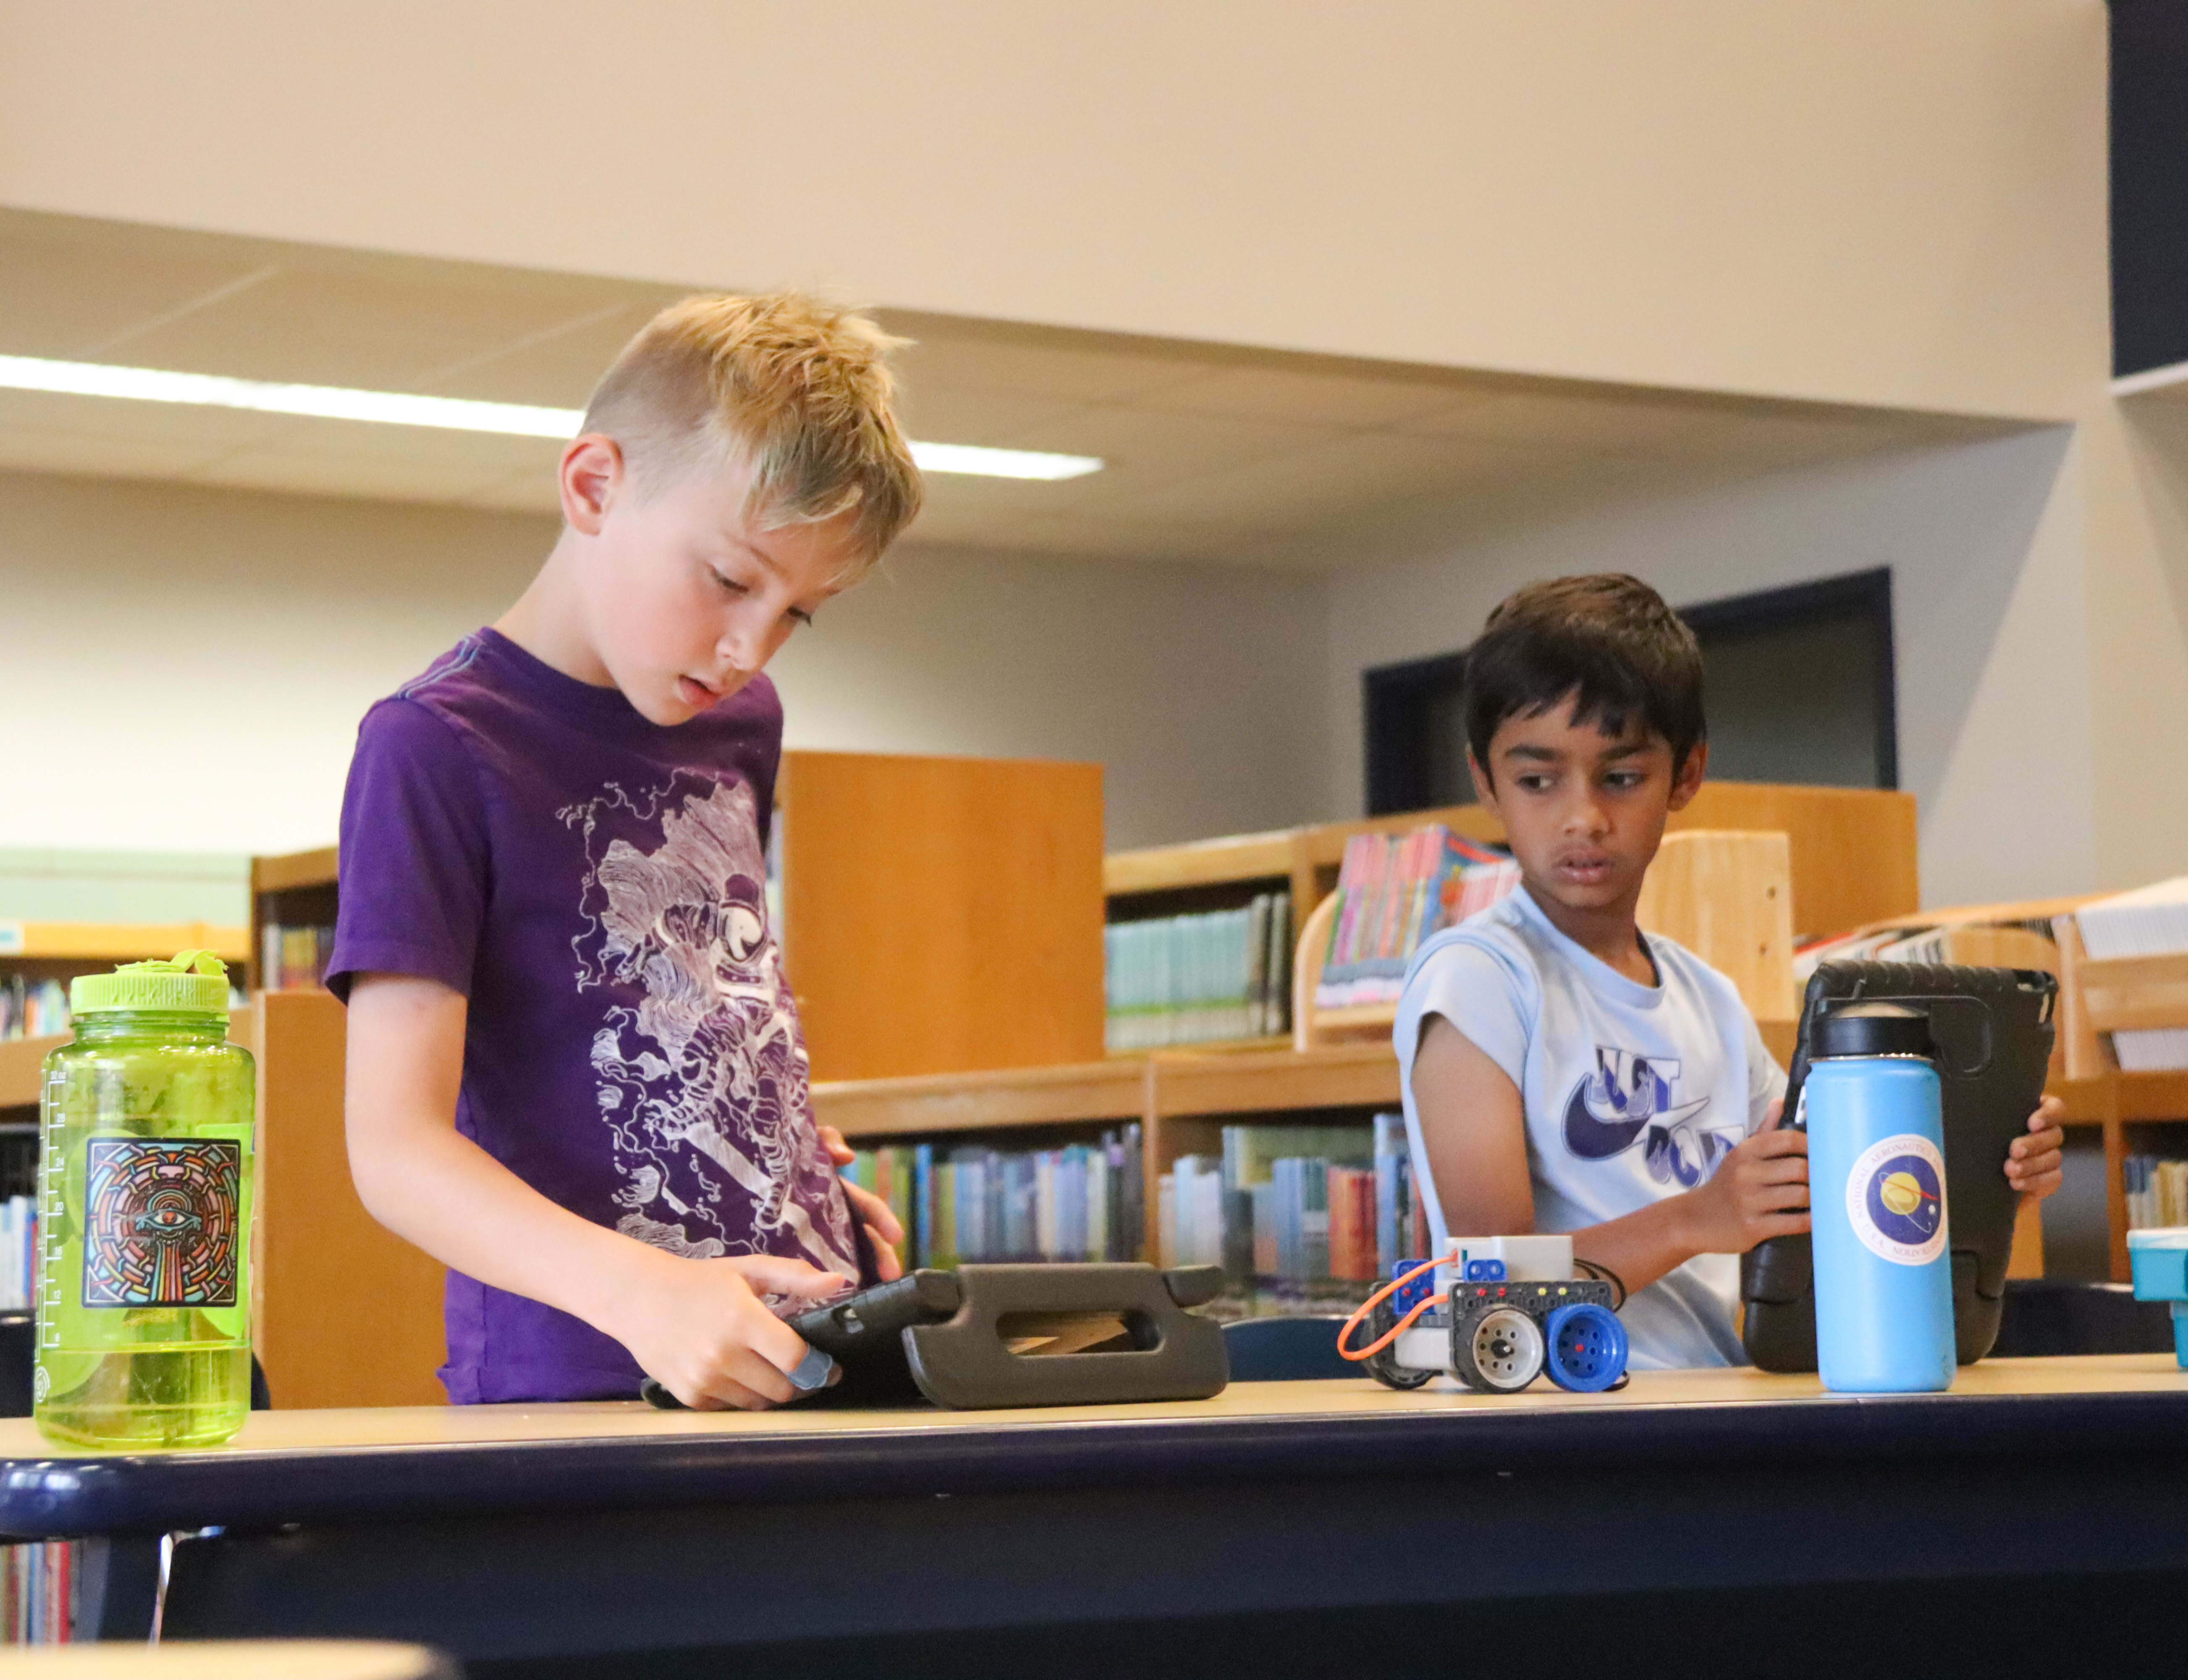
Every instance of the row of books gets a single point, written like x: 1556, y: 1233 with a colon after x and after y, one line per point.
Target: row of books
x: 38, y: 1593
x: 1295, y: 1204
x: 1911, y: 943
x: 293, y: 958
x: 1083, y: 1202
x: 18, y: 1254
x: 2156, y: 1191
x: 1191, y: 979
x: 1393, y: 891
x: 31, y: 1009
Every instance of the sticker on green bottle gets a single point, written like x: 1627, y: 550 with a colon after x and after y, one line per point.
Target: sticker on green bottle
x: 161, y: 1221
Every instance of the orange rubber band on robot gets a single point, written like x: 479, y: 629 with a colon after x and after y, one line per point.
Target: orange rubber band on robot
x: 1402, y: 1325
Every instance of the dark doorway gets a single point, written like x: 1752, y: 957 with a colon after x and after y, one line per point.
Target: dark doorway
x: 1800, y: 683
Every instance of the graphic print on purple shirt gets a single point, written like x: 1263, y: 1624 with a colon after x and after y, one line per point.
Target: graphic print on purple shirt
x: 708, y: 1064
x: 593, y: 884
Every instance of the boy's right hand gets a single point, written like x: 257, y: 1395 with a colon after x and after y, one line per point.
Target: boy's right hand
x: 1759, y: 1190
x: 700, y: 1327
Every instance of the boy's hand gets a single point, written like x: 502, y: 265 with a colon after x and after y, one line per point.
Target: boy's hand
x: 2033, y: 1164
x: 1758, y: 1191
x: 700, y: 1326
x: 882, y: 1226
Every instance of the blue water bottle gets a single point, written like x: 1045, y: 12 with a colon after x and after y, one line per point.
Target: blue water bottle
x: 1876, y: 1193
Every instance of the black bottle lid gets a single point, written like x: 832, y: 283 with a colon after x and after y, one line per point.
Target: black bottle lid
x: 1873, y: 1029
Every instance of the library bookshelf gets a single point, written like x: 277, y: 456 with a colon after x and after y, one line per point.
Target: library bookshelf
x: 61, y: 950
x: 1180, y: 1098
x: 915, y: 890
x: 1853, y: 854
x: 1850, y: 859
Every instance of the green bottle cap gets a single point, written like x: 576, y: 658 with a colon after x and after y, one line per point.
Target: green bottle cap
x: 193, y: 982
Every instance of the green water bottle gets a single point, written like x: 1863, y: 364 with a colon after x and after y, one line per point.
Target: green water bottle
x: 144, y: 1187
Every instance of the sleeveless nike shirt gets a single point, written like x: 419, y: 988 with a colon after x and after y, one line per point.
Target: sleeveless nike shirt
x: 1632, y: 1093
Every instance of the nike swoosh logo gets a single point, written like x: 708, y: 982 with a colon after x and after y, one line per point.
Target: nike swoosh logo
x: 1594, y: 1140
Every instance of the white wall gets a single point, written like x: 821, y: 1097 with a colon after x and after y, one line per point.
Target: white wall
x: 1985, y: 542
x: 1199, y: 687
x: 184, y: 668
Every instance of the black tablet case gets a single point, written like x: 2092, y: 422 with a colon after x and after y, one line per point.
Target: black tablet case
x: 1992, y: 1031
x: 940, y: 1334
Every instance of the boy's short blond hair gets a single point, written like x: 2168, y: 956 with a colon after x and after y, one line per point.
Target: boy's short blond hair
x: 798, y: 388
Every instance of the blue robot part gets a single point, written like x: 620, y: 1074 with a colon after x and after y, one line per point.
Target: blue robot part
x: 1484, y: 1271
x: 1410, y: 1295
x: 1588, y: 1347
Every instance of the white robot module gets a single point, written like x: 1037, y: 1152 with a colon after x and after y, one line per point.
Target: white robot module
x: 1496, y: 1312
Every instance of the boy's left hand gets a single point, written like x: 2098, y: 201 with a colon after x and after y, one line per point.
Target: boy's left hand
x: 2033, y: 1163
x: 870, y: 1211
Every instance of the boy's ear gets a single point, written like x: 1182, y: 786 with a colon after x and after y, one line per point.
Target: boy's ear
x: 1484, y: 790
x: 591, y: 473
x: 1688, y: 781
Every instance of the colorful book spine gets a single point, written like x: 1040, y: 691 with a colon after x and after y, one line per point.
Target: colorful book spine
x: 31, y: 1009
x: 293, y: 958
x: 18, y: 1253
x: 1193, y: 979
x: 1082, y: 1202
x: 38, y: 1593
x: 1393, y: 893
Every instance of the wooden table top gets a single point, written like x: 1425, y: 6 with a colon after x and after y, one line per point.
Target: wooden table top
x: 294, y: 1466
x: 384, y: 1429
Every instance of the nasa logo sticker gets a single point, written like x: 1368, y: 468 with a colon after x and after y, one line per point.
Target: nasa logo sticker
x: 1896, y: 1200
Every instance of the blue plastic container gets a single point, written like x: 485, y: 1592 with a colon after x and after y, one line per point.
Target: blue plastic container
x: 2159, y: 1257
x: 1876, y: 1191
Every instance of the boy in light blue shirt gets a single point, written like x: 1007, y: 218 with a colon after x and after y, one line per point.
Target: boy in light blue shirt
x: 1562, y: 1070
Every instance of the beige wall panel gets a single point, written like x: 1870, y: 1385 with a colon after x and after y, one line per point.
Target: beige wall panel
x: 1989, y: 616
x: 1859, y: 200
x: 186, y: 666
x: 2137, y: 456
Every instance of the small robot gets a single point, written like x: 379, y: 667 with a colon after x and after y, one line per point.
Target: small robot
x: 1496, y: 1312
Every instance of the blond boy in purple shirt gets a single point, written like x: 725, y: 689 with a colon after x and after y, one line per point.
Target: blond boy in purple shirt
x: 575, y: 1070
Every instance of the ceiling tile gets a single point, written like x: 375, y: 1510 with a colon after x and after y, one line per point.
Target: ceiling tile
x: 1321, y: 399
x: 1145, y: 447
x: 946, y: 415
x: 375, y: 325
x: 67, y: 287
x: 1218, y: 452
x: 1010, y: 362
x: 1611, y: 423
x: 555, y: 368
x: 432, y: 450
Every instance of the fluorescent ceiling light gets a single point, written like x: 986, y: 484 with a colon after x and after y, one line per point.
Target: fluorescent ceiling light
x: 329, y: 402
x: 449, y: 414
x: 1001, y: 462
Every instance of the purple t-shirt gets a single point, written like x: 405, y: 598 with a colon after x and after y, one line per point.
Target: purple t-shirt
x: 595, y: 885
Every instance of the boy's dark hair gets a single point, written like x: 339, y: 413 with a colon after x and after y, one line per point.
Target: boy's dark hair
x: 1606, y: 639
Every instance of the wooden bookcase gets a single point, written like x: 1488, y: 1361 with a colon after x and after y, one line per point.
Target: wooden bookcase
x: 61, y: 950
x: 1853, y: 854
x: 1852, y: 859
x: 346, y: 1313
x: 1181, y: 1098
x: 295, y: 889
x: 941, y: 915
x: 914, y: 892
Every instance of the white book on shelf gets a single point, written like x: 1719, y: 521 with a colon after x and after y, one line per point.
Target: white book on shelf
x: 2150, y: 921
